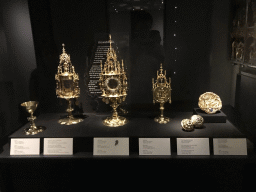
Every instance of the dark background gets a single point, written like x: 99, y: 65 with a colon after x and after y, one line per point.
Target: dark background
x: 32, y: 33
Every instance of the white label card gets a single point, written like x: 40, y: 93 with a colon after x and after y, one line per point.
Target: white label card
x: 229, y: 146
x: 154, y: 146
x: 111, y: 146
x: 58, y: 146
x: 29, y: 146
x: 193, y: 146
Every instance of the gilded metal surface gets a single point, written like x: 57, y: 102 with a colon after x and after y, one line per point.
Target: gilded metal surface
x: 238, y: 51
x: 161, y: 93
x: 209, y: 102
x: 67, y: 86
x: 30, y: 107
x: 197, y: 120
x: 66, y: 78
x: 70, y: 119
x: 187, y: 125
x: 113, y: 84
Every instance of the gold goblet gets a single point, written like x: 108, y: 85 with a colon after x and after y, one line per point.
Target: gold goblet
x: 30, y: 108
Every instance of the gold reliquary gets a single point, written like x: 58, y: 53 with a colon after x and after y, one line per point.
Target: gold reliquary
x: 161, y: 93
x: 67, y: 86
x: 113, y: 84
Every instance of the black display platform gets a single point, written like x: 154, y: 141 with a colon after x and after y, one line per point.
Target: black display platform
x: 138, y: 127
x: 218, y: 117
x: 119, y: 169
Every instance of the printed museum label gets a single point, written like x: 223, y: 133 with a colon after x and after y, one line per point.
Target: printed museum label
x: 111, y: 146
x: 29, y: 146
x: 229, y: 146
x: 58, y: 146
x: 193, y: 146
x: 154, y: 146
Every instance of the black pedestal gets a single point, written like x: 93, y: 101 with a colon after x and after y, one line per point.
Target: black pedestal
x: 218, y: 117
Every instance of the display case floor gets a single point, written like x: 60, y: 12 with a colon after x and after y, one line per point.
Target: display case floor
x: 213, y: 168
x: 141, y: 126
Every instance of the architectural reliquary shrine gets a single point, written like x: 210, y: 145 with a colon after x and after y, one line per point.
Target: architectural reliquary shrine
x: 113, y: 84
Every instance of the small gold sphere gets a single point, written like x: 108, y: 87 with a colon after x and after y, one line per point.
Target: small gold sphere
x: 197, y: 120
x: 187, y: 125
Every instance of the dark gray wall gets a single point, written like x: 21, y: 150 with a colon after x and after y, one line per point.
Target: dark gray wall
x: 191, y: 71
x: 75, y: 24
x: 17, y: 60
x: 246, y: 103
x: 221, y: 70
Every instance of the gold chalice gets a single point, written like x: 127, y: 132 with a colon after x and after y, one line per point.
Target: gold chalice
x: 30, y: 108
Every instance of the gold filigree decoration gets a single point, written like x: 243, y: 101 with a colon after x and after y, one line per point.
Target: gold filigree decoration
x: 161, y: 93
x: 197, y: 120
x: 209, y: 102
x: 113, y: 84
x: 187, y: 125
x: 67, y: 85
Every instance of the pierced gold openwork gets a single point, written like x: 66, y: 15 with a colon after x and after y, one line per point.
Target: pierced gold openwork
x: 67, y: 86
x: 161, y: 93
x: 209, y: 102
x: 113, y: 84
x: 30, y: 107
x: 187, y: 125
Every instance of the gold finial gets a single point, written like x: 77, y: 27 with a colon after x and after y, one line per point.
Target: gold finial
x: 161, y: 68
x: 110, y: 41
x: 101, y: 66
x: 63, y: 49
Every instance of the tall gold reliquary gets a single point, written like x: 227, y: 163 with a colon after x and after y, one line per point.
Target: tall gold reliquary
x: 161, y: 94
x: 113, y: 84
x: 67, y: 86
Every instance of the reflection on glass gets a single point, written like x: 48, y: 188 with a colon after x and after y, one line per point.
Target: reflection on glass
x: 143, y: 52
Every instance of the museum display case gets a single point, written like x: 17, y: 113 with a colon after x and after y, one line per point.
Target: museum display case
x: 126, y: 54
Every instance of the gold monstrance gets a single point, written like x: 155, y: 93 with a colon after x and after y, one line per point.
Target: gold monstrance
x: 113, y: 84
x: 67, y: 86
x: 161, y: 94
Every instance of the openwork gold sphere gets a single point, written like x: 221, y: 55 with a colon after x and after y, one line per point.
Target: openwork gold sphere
x: 197, y: 120
x: 209, y: 102
x: 187, y: 125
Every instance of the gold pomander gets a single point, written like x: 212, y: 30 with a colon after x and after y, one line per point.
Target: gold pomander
x: 209, y: 102
x: 67, y: 86
x: 197, y: 120
x: 161, y: 93
x: 113, y: 84
x: 187, y: 125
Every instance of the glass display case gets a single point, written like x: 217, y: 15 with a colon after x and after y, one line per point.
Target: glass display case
x: 189, y: 40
